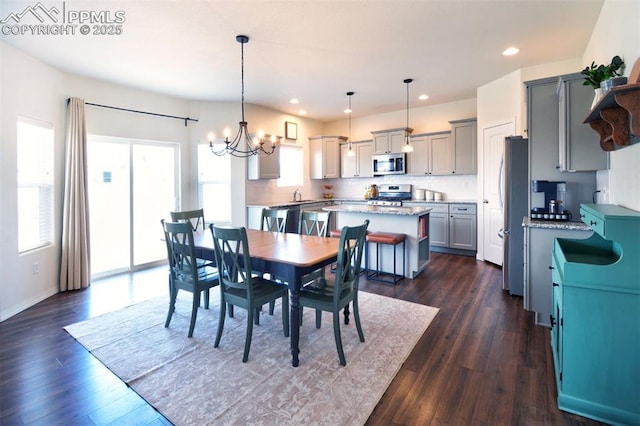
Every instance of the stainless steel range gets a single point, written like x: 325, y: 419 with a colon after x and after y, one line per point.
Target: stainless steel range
x: 391, y: 195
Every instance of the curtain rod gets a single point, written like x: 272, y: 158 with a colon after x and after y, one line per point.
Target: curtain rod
x: 186, y: 119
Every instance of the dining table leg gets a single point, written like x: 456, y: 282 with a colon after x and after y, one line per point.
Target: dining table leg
x: 294, y: 320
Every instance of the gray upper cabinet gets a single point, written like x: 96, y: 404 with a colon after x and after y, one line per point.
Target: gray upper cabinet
x: 264, y: 166
x: 543, y: 126
x: 464, y: 150
x: 388, y: 141
x: 579, y: 146
x: 324, y: 154
x: 431, y: 154
x: 360, y: 164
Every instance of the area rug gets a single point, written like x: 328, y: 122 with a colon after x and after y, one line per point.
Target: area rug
x: 192, y: 383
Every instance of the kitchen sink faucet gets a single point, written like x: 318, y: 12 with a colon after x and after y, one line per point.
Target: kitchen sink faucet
x: 297, y: 195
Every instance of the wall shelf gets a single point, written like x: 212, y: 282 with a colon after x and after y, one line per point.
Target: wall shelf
x: 616, y: 116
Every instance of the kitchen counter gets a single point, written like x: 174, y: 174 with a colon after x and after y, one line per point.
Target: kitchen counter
x: 283, y: 204
x: 441, y: 201
x: 364, y: 208
x: 573, y: 225
x: 413, y: 222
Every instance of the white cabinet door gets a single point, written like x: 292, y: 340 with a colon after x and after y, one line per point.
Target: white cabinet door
x: 464, y: 145
x: 331, y: 158
x: 441, y: 162
x: 364, y: 154
x: 418, y: 160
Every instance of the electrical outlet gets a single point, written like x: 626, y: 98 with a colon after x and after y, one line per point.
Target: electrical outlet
x: 36, y: 268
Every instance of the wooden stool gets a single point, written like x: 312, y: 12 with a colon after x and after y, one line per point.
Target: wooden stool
x: 387, y: 238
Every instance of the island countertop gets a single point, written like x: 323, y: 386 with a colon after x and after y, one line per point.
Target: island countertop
x: 363, y: 208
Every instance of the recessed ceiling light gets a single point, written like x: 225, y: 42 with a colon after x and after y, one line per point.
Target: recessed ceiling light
x: 423, y: 97
x: 511, y: 51
x: 294, y: 101
x: 302, y: 112
x: 347, y: 111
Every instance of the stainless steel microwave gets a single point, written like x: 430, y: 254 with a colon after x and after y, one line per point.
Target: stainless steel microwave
x: 390, y: 164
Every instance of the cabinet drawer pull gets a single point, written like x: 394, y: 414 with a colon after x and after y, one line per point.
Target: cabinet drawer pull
x: 552, y: 320
x: 555, y: 284
x: 593, y: 222
x: 551, y: 267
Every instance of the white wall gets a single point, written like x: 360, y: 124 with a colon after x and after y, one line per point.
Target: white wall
x: 617, y: 32
x: 33, y: 89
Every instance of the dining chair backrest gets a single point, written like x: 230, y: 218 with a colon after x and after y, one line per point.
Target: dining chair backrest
x: 232, y: 257
x: 314, y: 223
x: 274, y: 220
x: 181, y: 251
x: 194, y: 217
x: 352, y: 241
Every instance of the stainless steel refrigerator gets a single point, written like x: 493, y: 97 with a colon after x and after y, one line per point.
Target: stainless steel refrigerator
x: 515, y: 207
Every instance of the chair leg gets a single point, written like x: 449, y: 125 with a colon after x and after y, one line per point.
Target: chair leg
x: 272, y: 306
x: 256, y: 319
x: 346, y: 314
x: 318, y: 318
x: 206, y: 299
x: 223, y: 313
x: 356, y: 316
x: 285, y: 314
x: 194, y: 311
x: 230, y: 311
x: 336, y: 333
x: 247, y: 340
x: 172, y: 305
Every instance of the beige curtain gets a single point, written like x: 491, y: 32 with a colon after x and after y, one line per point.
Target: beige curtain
x: 75, y: 270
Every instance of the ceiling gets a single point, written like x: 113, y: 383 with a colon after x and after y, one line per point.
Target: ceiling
x: 315, y: 51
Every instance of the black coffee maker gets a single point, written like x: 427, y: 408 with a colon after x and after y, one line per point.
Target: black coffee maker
x: 554, y: 197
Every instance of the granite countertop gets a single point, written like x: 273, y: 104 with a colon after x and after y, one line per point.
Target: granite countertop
x: 291, y: 203
x: 574, y: 225
x: 363, y: 208
x: 443, y: 201
x: 283, y: 204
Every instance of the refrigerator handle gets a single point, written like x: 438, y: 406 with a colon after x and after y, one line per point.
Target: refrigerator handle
x: 500, y: 183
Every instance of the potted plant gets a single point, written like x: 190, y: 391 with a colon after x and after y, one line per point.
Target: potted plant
x: 597, y: 74
x: 603, y: 77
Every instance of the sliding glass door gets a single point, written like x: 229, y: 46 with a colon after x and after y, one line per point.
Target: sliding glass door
x: 132, y: 185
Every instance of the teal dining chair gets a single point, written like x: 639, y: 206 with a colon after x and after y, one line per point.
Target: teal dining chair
x: 316, y: 223
x: 334, y: 295
x: 196, y: 219
x: 184, y: 273
x: 239, y: 287
x: 274, y: 220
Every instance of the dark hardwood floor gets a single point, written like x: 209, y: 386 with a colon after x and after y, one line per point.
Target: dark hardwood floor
x: 481, y: 362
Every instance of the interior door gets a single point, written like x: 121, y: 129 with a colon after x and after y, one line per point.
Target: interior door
x: 493, y: 189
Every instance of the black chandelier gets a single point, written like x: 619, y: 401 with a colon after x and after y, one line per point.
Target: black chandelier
x: 243, y: 144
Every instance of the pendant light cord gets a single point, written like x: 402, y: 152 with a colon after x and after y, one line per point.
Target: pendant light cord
x: 242, y: 74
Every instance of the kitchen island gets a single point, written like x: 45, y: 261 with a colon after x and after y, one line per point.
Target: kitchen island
x: 411, y: 221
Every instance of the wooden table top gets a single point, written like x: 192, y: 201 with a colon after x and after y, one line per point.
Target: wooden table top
x: 294, y: 249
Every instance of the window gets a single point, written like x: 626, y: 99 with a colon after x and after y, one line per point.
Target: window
x: 35, y: 183
x: 290, y: 166
x: 214, y: 185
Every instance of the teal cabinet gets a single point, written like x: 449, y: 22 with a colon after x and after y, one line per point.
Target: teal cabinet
x: 595, y: 334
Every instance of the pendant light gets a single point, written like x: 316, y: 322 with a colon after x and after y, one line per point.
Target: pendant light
x: 350, y: 151
x: 407, y: 140
x: 243, y: 144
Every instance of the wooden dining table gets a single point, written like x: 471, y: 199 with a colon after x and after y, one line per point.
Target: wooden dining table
x: 287, y: 256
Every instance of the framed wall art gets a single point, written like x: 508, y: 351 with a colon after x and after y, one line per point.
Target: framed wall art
x: 290, y: 130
